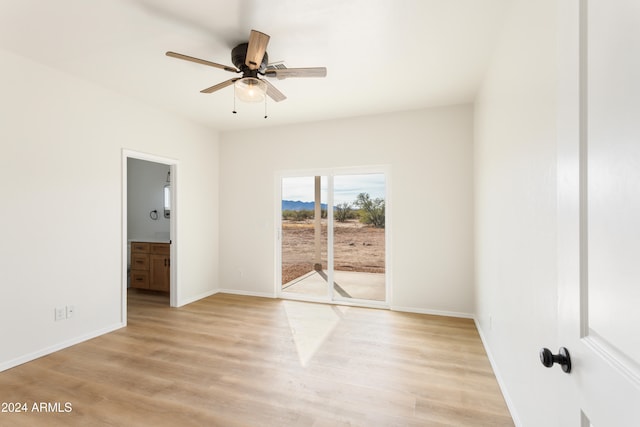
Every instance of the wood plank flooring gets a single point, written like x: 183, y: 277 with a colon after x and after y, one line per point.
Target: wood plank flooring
x: 233, y: 360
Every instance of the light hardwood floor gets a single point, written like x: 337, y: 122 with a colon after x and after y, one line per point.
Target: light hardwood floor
x: 233, y: 360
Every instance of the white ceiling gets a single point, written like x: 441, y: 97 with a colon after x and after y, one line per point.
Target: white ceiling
x: 381, y: 55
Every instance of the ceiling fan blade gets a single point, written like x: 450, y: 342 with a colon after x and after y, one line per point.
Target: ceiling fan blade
x: 255, y: 51
x: 219, y: 86
x: 202, y: 61
x: 274, y: 93
x: 285, y: 73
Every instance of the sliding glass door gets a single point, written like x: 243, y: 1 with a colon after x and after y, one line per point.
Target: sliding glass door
x: 332, y: 244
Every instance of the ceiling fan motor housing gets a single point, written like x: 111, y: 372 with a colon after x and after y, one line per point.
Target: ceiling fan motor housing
x: 238, y: 56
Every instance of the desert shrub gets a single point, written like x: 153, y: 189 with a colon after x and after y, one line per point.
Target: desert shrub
x: 343, y: 212
x: 371, y: 210
x: 301, y: 215
x: 287, y: 214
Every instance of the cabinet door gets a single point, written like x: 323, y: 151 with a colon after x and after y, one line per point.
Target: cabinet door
x: 159, y: 273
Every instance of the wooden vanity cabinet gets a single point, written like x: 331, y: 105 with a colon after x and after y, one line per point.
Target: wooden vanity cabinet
x: 150, y: 266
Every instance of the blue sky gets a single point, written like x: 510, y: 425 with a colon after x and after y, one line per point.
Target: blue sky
x: 346, y: 187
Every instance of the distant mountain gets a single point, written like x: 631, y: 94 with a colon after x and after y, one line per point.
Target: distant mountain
x: 297, y: 205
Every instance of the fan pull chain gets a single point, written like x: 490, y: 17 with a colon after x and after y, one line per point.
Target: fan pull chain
x: 234, y: 100
x: 265, y: 107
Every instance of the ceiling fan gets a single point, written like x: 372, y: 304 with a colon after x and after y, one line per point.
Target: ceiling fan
x: 251, y: 60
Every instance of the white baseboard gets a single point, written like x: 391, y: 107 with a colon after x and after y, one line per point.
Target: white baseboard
x: 433, y: 312
x: 197, y: 297
x: 57, y: 347
x: 190, y: 300
x: 247, y: 293
x: 496, y: 371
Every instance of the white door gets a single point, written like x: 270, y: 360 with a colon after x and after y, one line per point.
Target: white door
x: 599, y: 211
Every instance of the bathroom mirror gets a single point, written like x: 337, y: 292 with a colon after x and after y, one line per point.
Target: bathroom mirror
x: 167, y: 201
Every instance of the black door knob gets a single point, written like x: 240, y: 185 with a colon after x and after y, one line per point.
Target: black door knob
x: 562, y: 358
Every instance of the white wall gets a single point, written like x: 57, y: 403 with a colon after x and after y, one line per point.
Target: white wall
x: 515, y: 192
x: 145, y: 193
x: 430, y: 155
x: 61, y: 172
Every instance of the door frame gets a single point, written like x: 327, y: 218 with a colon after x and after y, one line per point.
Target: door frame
x: 173, y: 230
x: 330, y: 173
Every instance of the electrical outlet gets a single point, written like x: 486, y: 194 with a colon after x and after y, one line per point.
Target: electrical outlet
x: 60, y: 313
x: 71, y: 311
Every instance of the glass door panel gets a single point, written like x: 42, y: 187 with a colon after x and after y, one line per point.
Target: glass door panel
x: 359, y: 237
x: 304, y: 237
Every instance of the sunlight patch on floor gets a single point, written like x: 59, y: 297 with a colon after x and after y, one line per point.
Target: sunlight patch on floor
x: 348, y: 284
x: 311, y: 324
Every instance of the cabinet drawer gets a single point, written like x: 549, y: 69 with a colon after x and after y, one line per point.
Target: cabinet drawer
x: 139, y: 247
x: 160, y: 248
x: 139, y: 279
x: 139, y: 261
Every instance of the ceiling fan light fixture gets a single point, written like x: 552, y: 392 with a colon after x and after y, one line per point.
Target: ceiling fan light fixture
x: 251, y: 60
x: 250, y: 89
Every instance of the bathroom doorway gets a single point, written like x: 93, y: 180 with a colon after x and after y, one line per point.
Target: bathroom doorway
x: 149, y: 233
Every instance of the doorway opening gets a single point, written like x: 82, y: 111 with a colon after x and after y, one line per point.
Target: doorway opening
x: 148, y: 226
x: 333, y: 232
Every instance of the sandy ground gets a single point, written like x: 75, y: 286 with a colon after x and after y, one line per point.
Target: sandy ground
x: 357, y: 247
